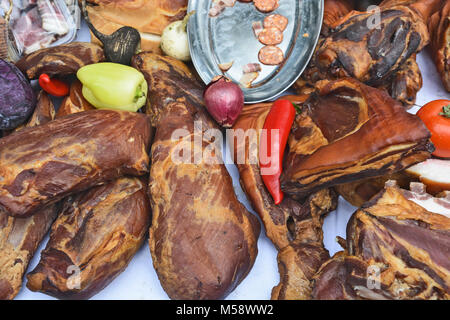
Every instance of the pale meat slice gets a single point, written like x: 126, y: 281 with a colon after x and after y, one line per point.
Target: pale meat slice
x: 434, y: 173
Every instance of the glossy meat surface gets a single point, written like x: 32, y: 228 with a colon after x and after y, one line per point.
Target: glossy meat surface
x: 61, y: 60
x: 93, y: 239
x: 439, y: 26
x: 44, y: 164
x: 203, y: 241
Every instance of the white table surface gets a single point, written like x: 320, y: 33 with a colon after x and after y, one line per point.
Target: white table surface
x: 139, y: 280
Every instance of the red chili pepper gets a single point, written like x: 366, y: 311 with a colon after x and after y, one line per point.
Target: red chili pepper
x: 54, y: 87
x: 281, y: 117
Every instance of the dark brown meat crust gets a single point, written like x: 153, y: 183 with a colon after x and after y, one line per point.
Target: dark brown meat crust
x: 350, y: 131
x: 381, y: 56
x: 405, y: 83
x: 439, y: 26
x: 44, y: 111
x: 409, y: 246
x: 168, y: 84
x: 371, y: 55
x: 301, y: 259
x: 93, y: 240
x: 19, y: 238
x: 202, y: 239
x: 61, y: 60
x: 42, y: 165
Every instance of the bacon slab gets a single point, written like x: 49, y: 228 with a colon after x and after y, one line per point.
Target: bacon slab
x: 349, y: 131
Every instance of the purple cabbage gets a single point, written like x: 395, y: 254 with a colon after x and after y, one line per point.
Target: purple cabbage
x: 17, y: 98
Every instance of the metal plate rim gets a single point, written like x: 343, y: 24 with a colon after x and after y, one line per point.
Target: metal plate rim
x: 248, y: 97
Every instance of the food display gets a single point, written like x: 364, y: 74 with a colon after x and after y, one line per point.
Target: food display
x: 110, y: 145
x: 439, y: 27
x: 98, y: 232
x: 202, y: 239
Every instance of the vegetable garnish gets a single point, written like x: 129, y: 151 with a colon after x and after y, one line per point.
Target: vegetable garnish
x: 445, y: 111
x: 174, y: 39
x: 121, y: 45
x: 436, y: 116
x: 54, y: 87
x: 278, y: 122
x: 224, y: 100
x: 110, y: 85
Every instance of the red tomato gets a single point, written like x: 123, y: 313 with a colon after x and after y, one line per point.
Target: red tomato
x: 436, y: 116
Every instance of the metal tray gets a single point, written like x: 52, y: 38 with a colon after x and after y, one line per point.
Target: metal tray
x: 230, y: 37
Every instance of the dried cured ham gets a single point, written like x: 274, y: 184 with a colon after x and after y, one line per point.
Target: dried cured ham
x: 350, y: 131
x: 202, y: 239
x: 395, y: 249
x: 20, y: 237
x: 39, y: 166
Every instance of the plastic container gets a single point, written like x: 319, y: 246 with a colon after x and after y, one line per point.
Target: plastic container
x: 37, y: 24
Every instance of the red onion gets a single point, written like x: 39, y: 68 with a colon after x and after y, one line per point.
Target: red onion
x: 224, y: 100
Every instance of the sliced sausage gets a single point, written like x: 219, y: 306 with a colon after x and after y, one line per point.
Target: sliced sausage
x: 276, y: 20
x: 266, y: 5
x: 270, y: 36
x: 270, y: 55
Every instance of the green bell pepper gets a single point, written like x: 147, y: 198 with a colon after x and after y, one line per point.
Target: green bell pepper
x: 116, y: 86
